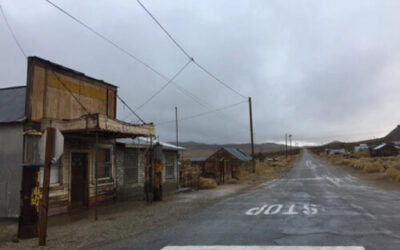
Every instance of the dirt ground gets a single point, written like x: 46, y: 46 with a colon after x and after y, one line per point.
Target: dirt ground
x: 118, y: 220
x: 127, y: 219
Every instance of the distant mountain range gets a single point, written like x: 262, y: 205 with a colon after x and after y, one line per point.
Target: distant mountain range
x: 196, y: 149
x: 394, y: 135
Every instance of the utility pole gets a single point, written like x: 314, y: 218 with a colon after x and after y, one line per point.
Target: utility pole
x: 252, y: 136
x: 176, y: 125
x: 286, y: 145
x: 49, y: 153
x: 177, y: 145
x: 96, y: 175
x: 290, y: 144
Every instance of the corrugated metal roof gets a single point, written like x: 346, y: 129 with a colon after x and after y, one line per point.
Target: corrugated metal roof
x: 198, y: 159
x: 12, y: 104
x: 238, y: 154
x: 144, y: 141
x: 380, y: 146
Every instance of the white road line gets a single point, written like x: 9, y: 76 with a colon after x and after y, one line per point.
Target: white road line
x: 263, y: 248
x: 334, y: 181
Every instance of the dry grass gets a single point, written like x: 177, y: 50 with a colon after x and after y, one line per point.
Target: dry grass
x: 389, y: 167
x: 207, y: 183
x: 268, y: 169
x: 393, y: 174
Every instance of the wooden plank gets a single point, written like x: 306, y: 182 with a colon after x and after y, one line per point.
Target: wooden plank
x: 122, y: 127
x: 37, y: 92
x: 99, y: 123
x: 111, y: 104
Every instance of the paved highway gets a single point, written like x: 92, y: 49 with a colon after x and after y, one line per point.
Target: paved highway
x: 312, y: 205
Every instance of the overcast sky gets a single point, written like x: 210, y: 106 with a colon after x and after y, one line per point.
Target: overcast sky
x: 320, y: 70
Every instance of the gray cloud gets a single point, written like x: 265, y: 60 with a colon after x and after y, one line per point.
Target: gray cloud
x: 321, y: 70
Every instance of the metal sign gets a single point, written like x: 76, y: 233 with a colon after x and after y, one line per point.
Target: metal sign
x: 58, y: 146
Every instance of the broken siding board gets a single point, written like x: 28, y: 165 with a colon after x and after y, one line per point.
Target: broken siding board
x: 111, y: 104
x: 37, y: 93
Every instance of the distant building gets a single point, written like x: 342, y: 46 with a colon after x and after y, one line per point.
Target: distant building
x: 385, y: 149
x: 361, y: 148
x: 131, y: 155
x: 226, y: 163
x: 340, y: 151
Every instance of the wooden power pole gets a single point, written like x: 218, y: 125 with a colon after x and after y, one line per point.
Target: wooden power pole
x: 252, y: 137
x: 49, y: 153
x: 286, y: 145
x: 176, y: 125
x: 177, y: 145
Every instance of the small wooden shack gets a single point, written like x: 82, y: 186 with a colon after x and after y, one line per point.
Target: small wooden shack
x: 226, y: 164
x: 385, y: 149
x: 131, y: 157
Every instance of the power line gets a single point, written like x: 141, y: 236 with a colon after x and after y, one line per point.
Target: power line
x: 126, y: 52
x: 130, y: 109
x: 218, y: 80
x: 166, y: 32
x: 23, y: 52
x: 12, y: 32
x: 187, y: 54
x: 204, y: 113
x: 164, y: 86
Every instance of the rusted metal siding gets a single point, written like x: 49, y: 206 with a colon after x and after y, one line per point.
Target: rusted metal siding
x: 11, y: 139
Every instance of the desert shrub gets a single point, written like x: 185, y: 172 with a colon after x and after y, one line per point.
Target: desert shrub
x: 373, y: 168
x: 393, y: 174
x: 207, y: 183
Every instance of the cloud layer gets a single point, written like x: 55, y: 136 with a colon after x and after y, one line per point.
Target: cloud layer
x: 320, y: 70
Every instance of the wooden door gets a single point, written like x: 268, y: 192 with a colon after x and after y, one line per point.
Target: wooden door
x: 222, y: 171
x: 79, y: 179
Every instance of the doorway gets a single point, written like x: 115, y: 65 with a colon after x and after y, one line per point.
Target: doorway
x: 79, y: 180
x: 222, y: 171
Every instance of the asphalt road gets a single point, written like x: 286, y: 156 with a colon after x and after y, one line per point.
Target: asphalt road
x: 312, y: 205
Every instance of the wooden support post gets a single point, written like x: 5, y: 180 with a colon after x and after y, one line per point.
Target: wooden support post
x: 286, y: 145
x: 176, y: 125
x: 177, y: 144
x: 252, y: 137
x: 95, y: 176
x: 49, y: 153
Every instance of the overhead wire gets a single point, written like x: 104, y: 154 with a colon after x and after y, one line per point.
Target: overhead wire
x: 187, y: 54
x: 25, y: 56
x: 202, y: 114
x: 130, y: 109
x: 12, y: 32
x: 132, y: 56
x: 164, y: 86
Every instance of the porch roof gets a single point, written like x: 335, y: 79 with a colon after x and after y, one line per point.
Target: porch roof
x: 99, y: 123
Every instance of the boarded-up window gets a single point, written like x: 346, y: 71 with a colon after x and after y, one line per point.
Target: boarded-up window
x: 103, y: 163
x: 130, y: 167
x: 169, y: 165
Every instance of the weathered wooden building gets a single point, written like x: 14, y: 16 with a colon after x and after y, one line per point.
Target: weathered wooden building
x: 225, y: 164
x: 131, y: 155
x: 385, y: 149
x: 84, y: 110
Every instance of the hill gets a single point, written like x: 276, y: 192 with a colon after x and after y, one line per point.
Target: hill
x: 195, y: 149
x: 393, y: 135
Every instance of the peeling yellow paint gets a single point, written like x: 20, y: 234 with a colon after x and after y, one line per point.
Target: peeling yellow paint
x: 77, y: 88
